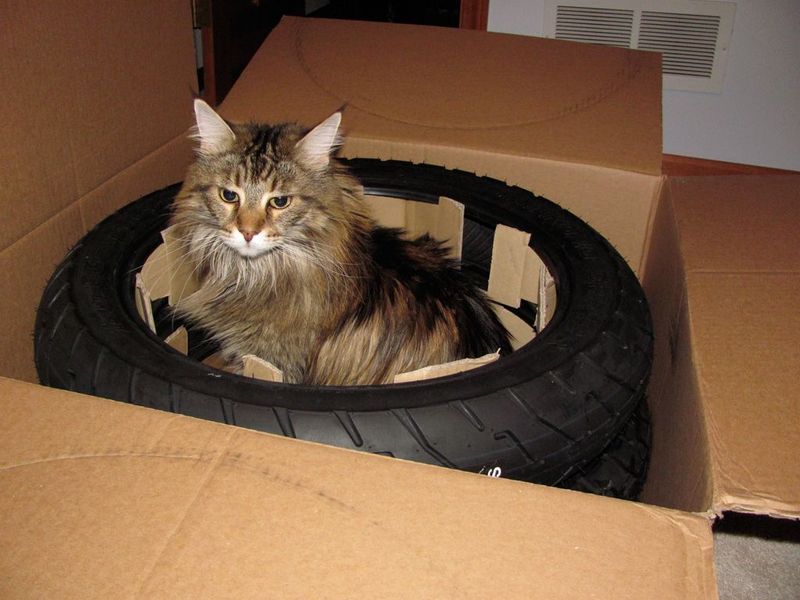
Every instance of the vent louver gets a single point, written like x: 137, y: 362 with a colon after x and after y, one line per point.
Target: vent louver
x: 609, y: 26
x: 688, y: 42
x: 691, y: 35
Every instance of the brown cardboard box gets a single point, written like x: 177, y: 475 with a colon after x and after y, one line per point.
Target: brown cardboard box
x: 94, y: 115
x: 107, y: 500
x: 103, y: 500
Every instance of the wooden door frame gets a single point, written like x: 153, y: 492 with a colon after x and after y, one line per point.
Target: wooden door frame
x: 474, y: 14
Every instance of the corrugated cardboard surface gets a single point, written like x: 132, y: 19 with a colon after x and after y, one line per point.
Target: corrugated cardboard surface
x: 87, y: 92
x: 680, y: 474
x: 740, y: 244
x: 500, y: 93
x: 28, y: 263
x: 95, y: 105
x: 100, y: 499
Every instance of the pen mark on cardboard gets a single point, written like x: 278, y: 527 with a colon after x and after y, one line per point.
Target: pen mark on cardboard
x: 628, y: 72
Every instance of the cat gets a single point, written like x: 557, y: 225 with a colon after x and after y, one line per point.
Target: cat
x: 295, y: 271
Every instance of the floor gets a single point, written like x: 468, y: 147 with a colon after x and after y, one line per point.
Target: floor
x: 686, y: 166
x: 757, y: 558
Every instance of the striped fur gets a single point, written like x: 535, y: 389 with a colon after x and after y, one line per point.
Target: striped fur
x: 319, y: 289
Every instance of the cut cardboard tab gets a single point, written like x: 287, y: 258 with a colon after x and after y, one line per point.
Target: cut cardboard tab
x: 507, y: 271
x: 179, y: 340
x: 258, y: 368
x: 443, y: 221
x: 216, y: 361
x: 182, y: 277
x: 415, y: 217
x: 388, y: 211
x: 420, y: 218
x: 531, y: 276
x: 449, y: 368
x: 156, y: 273
x: 547, y: 298
x: 143, y: 304
x: 449, y: 228
x: 521, y: 332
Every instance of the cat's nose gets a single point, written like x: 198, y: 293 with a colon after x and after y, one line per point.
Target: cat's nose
x: 248, y: 235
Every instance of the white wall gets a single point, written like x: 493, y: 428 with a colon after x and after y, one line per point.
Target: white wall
x: 755, y: 119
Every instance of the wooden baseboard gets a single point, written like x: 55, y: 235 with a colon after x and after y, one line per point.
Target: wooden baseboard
x: 675, y: 165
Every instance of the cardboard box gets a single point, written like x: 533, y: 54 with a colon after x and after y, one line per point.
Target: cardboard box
x: 101, y: 499
x: 104, y: 500
x: 90, y: 123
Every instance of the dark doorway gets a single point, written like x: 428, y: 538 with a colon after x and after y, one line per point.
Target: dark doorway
x: 444, y: 13
x: 230, y: 31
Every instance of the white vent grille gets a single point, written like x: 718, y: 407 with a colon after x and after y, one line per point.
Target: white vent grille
x: 688, y: 42
x: 692, y: 35
x: 609, y: 26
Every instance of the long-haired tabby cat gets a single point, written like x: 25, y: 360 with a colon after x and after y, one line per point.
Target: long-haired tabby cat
x: 295, y: 271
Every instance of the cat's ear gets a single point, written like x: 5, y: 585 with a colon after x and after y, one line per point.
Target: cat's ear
x: 214, y: 134
x: 315, y: 149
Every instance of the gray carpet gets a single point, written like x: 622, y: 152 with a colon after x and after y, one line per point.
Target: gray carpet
x: 757, y: 558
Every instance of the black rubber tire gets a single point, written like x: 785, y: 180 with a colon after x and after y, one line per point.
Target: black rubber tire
x: 549, y: 408
x: 620, y: 470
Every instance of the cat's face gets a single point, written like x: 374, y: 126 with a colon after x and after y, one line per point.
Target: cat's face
x: 256, y: 188
x: 256, y: 214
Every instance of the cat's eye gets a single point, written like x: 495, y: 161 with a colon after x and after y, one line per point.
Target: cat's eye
x: 228, y: 195
x: 280, y: 201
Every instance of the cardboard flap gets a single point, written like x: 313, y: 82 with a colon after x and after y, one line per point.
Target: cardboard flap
x: 181, y: 275
x: 443, y: 221
x: 533, y: 97
x: 179, y: 340
x: 508, y: 269
x: 156, y: 273
x: 261, y: 369
x: 143, y: 301
x: 448, y: 368
x: 89, y: 93
x: 449, y: 228
x: 679, y: 474
x: 177, y: 507
x: 739, y: 239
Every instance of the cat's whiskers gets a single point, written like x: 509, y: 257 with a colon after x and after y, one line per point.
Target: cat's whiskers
x: 228, y: 272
